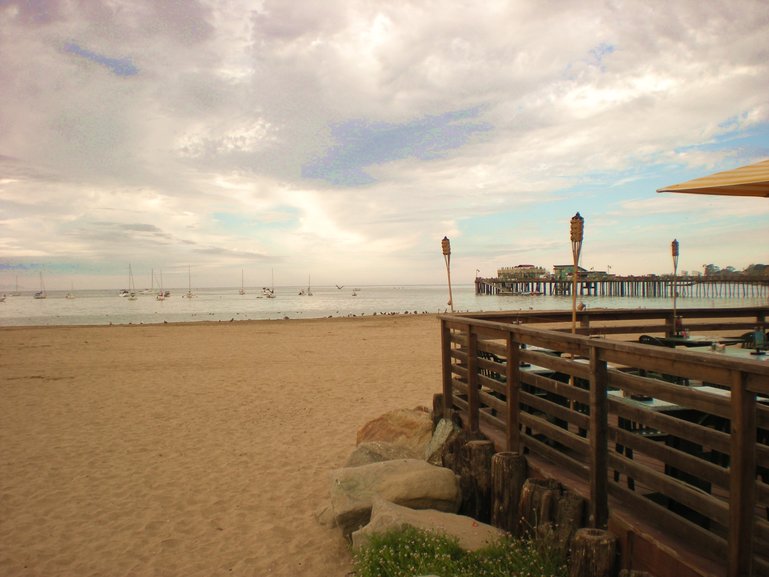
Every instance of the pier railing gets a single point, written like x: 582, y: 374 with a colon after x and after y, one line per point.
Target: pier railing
x: 676, y: 438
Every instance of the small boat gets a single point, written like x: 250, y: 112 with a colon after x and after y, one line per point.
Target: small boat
x: 269, y: 293
x: 131, y: 287
x: 189, y: 294
x: 41, y: 294
x: 161, y: 294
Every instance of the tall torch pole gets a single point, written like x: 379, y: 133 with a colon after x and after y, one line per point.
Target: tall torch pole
x: 577, y: 231
x: 446, y: 246
x: 674, y: 250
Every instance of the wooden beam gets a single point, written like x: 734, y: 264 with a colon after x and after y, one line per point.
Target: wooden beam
x: 743, y: 485
x: 599, y: 425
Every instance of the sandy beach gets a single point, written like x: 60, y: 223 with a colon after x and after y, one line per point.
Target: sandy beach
x: 192, y: 449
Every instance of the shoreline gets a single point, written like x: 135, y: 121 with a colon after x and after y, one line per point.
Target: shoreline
x: 229, y: 322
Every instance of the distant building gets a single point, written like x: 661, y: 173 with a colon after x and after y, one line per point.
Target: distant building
x: 564, y: 271
x: 521, y: 272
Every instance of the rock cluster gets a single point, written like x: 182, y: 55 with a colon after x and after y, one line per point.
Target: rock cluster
x: 395, y: 478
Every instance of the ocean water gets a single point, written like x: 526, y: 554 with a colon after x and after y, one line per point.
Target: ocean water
x: 100, y: 307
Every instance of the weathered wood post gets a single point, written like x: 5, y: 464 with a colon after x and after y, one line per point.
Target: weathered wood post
x: 593, y: 553
x: 512, y: 394
x: 475, y: 479
x: 473, y: 399
x: 508, y: 474
x: 438, y: 409
x: 551, y: 512
x: 742, y: 486
x: 448, y: 399
x: 599, y: 432
x: 451, y: 454
x: 537, y: 504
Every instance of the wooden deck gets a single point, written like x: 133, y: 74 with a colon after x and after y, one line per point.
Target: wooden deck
x: 670, y: 447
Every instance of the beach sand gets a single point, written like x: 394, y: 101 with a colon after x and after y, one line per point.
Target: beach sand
x: 192, y: 449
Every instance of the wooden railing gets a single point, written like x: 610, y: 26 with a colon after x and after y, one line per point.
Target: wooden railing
x: 679, y: 437
x: 637, y: 321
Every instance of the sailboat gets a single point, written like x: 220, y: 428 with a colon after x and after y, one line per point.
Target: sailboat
x: 270, y: 292
x: 71, y: 293
x: 189, y: 294
x: 161, y: 295
x: 16, y: 292
x: 131, y: 288
x: 152, y: 283
x: 242, y: 288
x: 41, y: 294
x: 307, y: 292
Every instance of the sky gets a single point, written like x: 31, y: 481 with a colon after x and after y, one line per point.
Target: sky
x: 342, y: 140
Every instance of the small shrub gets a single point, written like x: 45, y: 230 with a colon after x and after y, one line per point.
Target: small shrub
x: 408, y: 552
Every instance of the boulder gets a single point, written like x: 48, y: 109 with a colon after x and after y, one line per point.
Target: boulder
x: 443, y: 431
x: 410, y: 482
x: 470, y: 534
x: 410, y: 428
x: 376, y: 451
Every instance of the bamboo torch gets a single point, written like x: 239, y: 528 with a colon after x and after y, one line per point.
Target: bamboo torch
x: 446, y: 246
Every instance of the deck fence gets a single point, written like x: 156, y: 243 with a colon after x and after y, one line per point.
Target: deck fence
x: 679, y: 438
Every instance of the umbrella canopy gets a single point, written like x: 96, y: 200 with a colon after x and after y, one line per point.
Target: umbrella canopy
x: 751, y: 180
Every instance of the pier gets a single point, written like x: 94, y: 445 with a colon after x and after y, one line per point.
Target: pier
x: 629, y: 286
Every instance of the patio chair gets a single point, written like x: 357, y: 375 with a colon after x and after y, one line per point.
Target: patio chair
x: 654, y: 341
x: 650, y: 340
x: 748, y: 340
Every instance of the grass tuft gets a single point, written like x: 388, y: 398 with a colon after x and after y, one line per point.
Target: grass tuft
x: 407, y: 552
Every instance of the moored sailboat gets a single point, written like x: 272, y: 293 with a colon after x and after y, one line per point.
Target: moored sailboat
x: 131, y: 286
x: 41, y: 294
x: 189, y: 294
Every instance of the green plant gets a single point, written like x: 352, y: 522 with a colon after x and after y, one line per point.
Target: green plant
x: 408, y: 552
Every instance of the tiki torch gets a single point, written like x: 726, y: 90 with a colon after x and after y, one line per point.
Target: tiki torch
x: 446, y: 246
x: 674, y: 250
x: 577, y: 231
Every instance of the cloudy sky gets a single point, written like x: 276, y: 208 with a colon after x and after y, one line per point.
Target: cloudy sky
x: 344, y: 139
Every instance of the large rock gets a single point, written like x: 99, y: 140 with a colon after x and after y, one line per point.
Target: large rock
x: 470, y: 534
x: 409, y: 482
x: 376, y: 451
x: 410, y: 428
x: 443, y: 431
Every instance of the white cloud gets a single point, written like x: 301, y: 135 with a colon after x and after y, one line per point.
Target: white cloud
x: 204, y: 146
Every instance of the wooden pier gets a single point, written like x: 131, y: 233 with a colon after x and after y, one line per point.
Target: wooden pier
x: 629, y: 286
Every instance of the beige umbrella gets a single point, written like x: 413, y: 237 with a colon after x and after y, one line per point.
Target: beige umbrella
x: 751, y: 180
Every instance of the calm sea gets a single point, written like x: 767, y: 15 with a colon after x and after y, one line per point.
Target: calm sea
x: 99, y: 307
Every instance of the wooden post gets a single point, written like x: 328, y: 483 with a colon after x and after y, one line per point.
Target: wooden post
x: 550, y: 512
x: 538, y: 504
x: 512, y: 389
x: 569, y: 519
x: 599, y: 426
x: 593, y: 553
x: 508, y: 474
x: 475, y: 479
x: 438, y: 409
x: 473, y: 401
x: 742, y: 485
x: 450, y: 456
x: 448, y: 399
